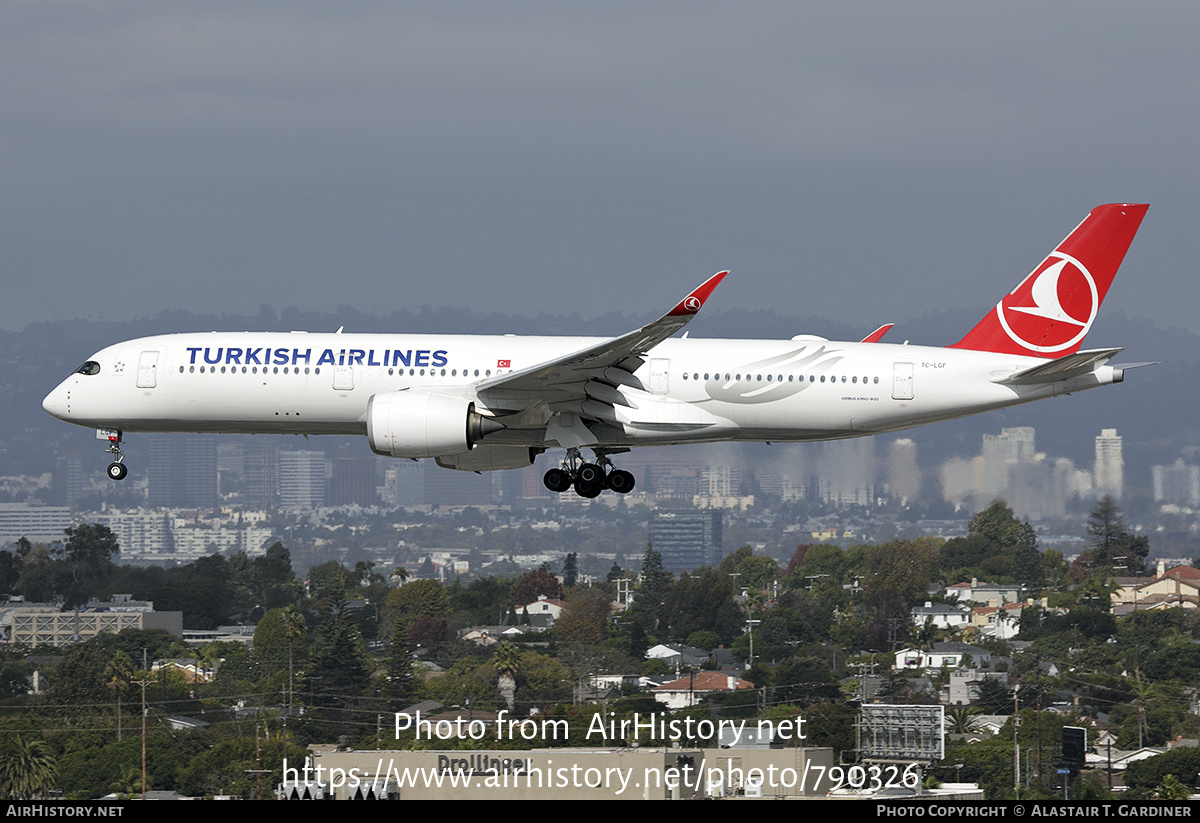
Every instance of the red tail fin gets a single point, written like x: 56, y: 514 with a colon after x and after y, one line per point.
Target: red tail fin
x: 1049, y: 313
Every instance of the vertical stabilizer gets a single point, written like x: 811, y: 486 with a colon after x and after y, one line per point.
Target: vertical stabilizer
x: 1053, y: 308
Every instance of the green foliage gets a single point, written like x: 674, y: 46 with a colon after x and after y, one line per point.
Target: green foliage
x: 341, y: 667
x: 537, y: 583
x: 400, y: 686
x: 1183, y: 763
x: 1113, y: 546
x: 280, y: 639
x: 585, y: 618
x: 418, y: 598
x: 997, y: 547
x: 570, y: 570
x: 702, y: 600
x: 27, y: 767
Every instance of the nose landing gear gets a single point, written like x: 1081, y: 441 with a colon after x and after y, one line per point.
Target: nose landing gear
x: 116, y: 469
x: 588, y: 479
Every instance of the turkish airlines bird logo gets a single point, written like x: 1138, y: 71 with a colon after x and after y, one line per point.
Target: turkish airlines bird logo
x: 1054, y: 306
x: 692, y: 303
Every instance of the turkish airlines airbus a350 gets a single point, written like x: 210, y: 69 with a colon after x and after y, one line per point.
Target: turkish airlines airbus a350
x: 482, y: 403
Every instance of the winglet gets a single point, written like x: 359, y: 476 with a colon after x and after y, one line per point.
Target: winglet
x: 877, y: 335
x: 692, y: 303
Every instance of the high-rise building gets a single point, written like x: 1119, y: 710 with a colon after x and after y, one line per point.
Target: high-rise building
x: 1178, y: 484
x: 1109, y: 473
x: 182, y: 471
x: 67, y: 480
x: 446, y: 487
x: 687, y: 539
x: 301, y: 478
x: 904, y: 478
x: 354, y: 479
x: 260, y: 468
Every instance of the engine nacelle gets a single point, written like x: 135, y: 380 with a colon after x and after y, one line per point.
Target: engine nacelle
x: 421, y: 424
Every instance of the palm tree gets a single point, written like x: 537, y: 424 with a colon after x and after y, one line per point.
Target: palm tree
x: 119, y: 673
x: 960, y: 719
x: 27, y: 768
x: 507, y: 662
x: 294, y: 627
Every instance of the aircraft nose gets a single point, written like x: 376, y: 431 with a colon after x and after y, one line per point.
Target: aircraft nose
x: 56, y: 402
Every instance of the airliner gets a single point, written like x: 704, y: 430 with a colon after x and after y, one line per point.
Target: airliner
x: 485, y: 403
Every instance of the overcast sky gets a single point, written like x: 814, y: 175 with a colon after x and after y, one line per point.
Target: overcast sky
x: 861, y: 161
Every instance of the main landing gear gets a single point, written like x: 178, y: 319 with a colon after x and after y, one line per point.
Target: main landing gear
x: 588, y: 479
x: 116, y: 469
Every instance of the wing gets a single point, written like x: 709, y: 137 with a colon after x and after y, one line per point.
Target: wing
x: 588, y: 382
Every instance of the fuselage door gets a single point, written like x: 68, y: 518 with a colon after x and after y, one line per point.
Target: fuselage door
x: 343, y: 378
x: 902, y: 381
x: 147, y: 374
x: 660, y: 370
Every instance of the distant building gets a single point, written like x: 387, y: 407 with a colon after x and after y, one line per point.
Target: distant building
x: 1109, y: 474
x: 1178, y: 483
x: 67, y: 483
x: 182, y: 471
x: 690, y: 689
x: 260, y: 472
x: 353, y: 479
x: 36, y: 626
x: 40, y: 524
x: 687, y: 539
x: 301, y: 479
x: 447, y: 487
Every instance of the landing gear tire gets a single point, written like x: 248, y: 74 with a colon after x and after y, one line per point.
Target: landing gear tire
x: 556, y: 480
x: 621, y: 481
x: 589, y: 475
x: 588, y: 490
x: 117, y: 471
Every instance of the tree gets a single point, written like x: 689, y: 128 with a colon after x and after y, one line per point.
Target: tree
x: 340, y: 663
x: 420, y: 598
x: 585, y: 618
x: 1106, y: 523
x: 654, y: 585
x: 119, y: 674
x: 87, y: 559
x: 537, y: 583
x: 27, y: 767
x: 570, y: 571
x: 507, y: 662
x: 401, y: 678
x: 1114, y: 547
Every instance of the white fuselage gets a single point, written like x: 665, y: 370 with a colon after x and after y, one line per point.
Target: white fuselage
x: 690, y: 389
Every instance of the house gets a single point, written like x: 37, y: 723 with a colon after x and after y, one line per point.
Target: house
x: 940, y: 615
x: 688, y: 691
x: 984, y: 594
x: 678, y: 654
x: 1000, y: 622
x: 544, y: 612
x: 491, y: 635
x: 951, y: 655
x: 1172, y: 588
x: 963, y: 688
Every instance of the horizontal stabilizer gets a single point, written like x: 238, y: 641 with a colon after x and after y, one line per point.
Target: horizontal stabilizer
x: 1063, y: 368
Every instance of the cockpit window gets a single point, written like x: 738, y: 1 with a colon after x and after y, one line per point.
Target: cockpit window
x: 90, y: 367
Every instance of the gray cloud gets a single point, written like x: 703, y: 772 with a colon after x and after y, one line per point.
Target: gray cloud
x: 865, y: 161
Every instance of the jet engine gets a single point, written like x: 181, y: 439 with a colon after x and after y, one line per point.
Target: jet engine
x: 420, y: 424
